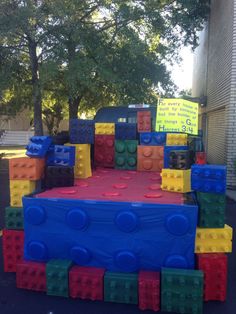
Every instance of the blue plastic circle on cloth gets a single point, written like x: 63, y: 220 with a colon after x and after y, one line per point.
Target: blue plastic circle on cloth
x: 126, y: 261
x: 77, y: 219
x: 146, y: 138
x: 35, y: 215
x: 37, y: 250
x: 176, y: 261
x: 126, y: 221
x: 80, y: 255
x: 177, y: 224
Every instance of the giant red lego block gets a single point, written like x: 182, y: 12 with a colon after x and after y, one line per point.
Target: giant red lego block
x: 31, y: 276
x: 200, y: 158
x: 150, y: 158
x: 149, y: 290
x: 13, y: 248
x: 214, y: 266
x: 86, y: 282
x: 144, y: 122
x: 25, y: 168
x: 104, y: 151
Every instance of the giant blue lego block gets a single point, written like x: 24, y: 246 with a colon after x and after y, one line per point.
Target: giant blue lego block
x: 153, y: 138
x: 125, y: 131
x: 60, y: 155
x: 167, y: 150
x: 82, y: 131
x: 213, y: 172
x: 38, y: 146
x: 117, y: 236
x: 208, y: 178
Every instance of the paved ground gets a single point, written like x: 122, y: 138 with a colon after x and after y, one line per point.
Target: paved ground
x: 17, y: 301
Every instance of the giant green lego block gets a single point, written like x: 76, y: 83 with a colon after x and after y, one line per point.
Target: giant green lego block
x: 181, y: 290
x: 211, y: 210
x: 121, y: 288
x: 14, y: 218
x: 57, y: 273
x: 126, y: 154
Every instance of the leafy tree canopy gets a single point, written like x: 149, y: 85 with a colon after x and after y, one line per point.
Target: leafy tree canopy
x: 92, y: 53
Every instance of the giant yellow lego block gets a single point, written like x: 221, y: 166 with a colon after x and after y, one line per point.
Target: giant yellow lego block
x: 214, y: 240
x: 19, y: 188
x: 176, y: 139
x: 176, y: 180
x: 82, y: 168
x: 105, y: 128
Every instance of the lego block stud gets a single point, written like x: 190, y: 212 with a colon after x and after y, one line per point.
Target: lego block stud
x: 35, y: 215
x: 80, y: 255
x: 36, y: 250
x: 177, y: 224
x: 176, y: 261
x: 127, y: 221
x: 77, y: 219
x: 126, y: 261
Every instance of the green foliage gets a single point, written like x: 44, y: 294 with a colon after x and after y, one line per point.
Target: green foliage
x: 54, y: 111
x: 91, y: 53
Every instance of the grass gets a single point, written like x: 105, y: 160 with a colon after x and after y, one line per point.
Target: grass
x: 11, y: 151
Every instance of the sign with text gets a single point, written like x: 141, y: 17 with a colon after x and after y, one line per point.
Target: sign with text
x: 177, y: 115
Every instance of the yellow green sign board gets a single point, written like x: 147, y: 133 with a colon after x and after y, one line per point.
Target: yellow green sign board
x: 177, y: 115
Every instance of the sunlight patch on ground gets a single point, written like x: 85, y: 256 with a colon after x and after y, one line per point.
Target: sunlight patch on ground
x: 11, y: 152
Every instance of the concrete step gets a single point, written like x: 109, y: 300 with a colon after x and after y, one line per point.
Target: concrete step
x: 15, y: 138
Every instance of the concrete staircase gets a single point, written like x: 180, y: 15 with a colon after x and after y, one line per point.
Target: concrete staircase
x: 13, y: 138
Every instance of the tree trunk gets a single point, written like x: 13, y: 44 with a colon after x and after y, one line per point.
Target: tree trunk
x: 37, y: 97
x: 73, y: 107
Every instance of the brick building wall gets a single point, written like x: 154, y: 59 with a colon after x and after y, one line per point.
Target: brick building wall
x: 215, y: 76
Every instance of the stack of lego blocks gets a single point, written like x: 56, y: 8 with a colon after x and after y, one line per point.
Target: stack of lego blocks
x: 151, y: 148
x: 213, y: 236
x: 115, y: 145
x: 82, y: 137
x: 176, y: 174
x: 104, y: 151
x: 25, y: 175
x: 46, y: 165
x: 60, y: 161
x: 167, y: 153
